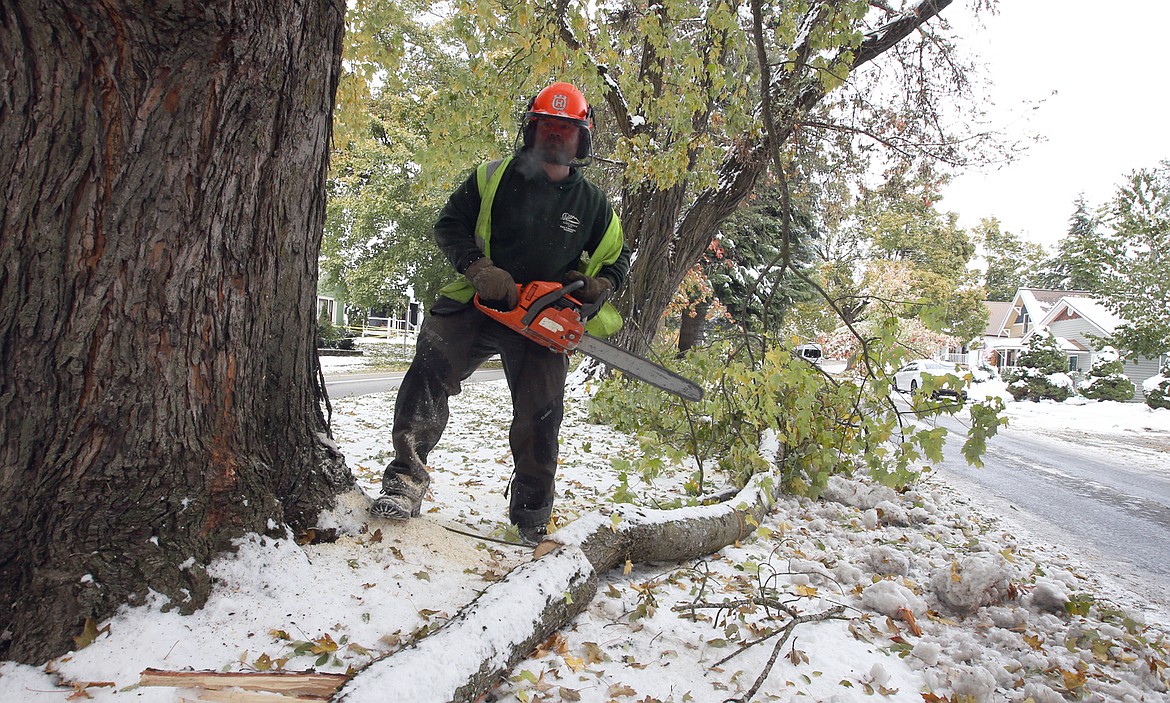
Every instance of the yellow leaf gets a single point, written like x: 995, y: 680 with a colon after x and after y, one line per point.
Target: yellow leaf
x: 323, y: 645
x: 593, y: 653
x: 89, y: 634
x: 806, y: 591
x: 1073, y: 680
x: 628, y: 568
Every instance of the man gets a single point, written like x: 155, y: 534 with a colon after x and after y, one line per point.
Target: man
x: 531, y: 217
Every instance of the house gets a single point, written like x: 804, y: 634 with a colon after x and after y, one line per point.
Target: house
x: 331, y: 302
x: 1009, y: 324
x: 1079, y: 322
x: 1082, y: 323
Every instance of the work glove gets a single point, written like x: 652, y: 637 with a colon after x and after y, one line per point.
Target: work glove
x: 495, y: 286
x: 594, y: 288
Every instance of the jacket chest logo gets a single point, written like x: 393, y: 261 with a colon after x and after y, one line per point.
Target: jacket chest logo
x: 569, y: 223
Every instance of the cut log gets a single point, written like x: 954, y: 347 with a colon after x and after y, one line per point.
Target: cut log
x: 302, y: 685
x: 221, y: 696
x: 465, y: 658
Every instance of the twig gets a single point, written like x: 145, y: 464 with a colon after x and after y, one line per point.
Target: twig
x: 477, y: 535
x: 787, y: 631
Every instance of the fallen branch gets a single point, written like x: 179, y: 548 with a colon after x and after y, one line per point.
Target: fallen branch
x: 465, y: 658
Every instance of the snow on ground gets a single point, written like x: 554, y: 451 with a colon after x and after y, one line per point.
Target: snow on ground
x: 942, y: 600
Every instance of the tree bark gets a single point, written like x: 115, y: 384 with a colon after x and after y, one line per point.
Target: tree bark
x: 690, y: 330
x: 466, y: 658
x: 163, y: 204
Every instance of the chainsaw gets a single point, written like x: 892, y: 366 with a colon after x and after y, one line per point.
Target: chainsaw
x: 549, y: 315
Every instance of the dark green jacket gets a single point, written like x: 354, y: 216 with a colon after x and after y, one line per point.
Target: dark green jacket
x: 534, y: 229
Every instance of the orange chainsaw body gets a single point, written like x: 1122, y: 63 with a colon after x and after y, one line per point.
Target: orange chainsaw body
x: 546, y: 314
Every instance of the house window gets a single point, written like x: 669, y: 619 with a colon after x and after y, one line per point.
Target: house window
x: 325, y: 308
x: 1073, y: 363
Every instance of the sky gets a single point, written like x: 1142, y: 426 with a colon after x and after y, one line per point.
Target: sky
x: 1100, y: 70
x: 942, y: 595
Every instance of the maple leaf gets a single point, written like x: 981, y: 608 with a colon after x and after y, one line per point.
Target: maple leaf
x: 323, y: 645
x: 620, y: 689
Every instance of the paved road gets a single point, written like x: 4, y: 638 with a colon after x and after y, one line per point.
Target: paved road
x: 341, y: 385
x: 1107, y: 501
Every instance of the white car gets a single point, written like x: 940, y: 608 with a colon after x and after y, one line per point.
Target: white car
x: 909, y: 377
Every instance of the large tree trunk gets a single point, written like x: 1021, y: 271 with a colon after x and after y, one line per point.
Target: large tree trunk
x: 164, y: 169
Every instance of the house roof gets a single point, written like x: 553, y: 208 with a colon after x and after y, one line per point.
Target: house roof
x: 996, y: 314
x: 1037, y: 302
x: 1086, y: 307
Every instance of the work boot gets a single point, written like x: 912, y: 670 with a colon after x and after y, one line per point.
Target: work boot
x: 530, y: 508
x: 401, y: 497
x: 532, y: 536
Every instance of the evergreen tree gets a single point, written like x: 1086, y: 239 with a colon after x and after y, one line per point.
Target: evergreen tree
x: 1137, y: 287
x: 1041, y: 373
x: 1080, y: 260
x: 756, y: 281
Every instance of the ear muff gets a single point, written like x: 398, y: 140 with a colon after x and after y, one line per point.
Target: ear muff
x: 585, y: 146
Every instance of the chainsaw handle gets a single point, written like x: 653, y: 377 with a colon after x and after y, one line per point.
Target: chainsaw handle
x: 548, y: 299
x: 590, y: 309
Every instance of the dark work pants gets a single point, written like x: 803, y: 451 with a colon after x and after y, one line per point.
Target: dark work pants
x: 450, y: 347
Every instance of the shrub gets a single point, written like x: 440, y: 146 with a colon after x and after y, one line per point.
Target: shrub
x: 1041, y: 374
x: 1107, y: 379
x: 1157, y: 389
x: 327, y: 334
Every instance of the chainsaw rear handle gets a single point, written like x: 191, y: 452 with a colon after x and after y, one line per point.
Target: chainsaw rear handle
x: 547, y: 299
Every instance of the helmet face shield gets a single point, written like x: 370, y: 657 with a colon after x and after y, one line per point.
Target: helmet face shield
x: 562, y: 102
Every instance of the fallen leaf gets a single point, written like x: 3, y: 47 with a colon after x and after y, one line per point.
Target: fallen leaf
x: 619, y: 689
x: 594, y: 654
x: 907, y: 616
x: 89, y: 633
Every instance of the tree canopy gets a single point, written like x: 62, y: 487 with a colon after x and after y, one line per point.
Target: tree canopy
x: 688, y: 118
x: 1011, y: 262
x: 1136, y: 285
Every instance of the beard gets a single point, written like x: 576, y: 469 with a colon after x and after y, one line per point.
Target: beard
x: 553, y: 151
